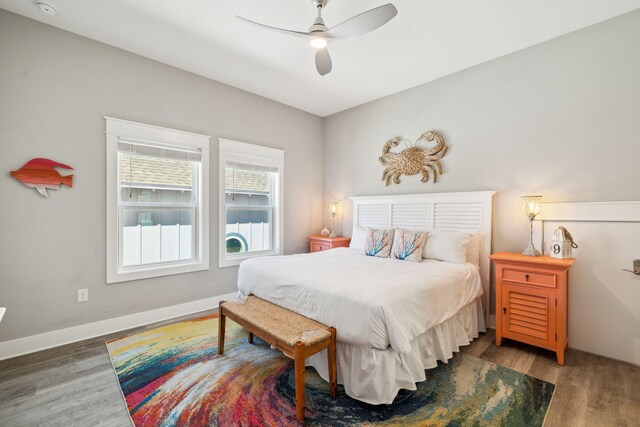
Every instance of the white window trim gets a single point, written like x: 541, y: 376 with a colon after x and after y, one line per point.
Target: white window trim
x: 256, y: 154
x: 117, y: 128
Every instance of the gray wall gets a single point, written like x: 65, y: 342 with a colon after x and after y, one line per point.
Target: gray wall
x: 55, y: 88
x: 561, y: 119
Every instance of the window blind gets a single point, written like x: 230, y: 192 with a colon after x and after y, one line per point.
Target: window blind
x: 247, y: 167
x: 163, y: 151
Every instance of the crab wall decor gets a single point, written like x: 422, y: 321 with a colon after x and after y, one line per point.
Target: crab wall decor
x: 413, y: 160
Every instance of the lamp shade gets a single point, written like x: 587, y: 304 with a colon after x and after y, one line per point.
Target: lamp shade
x: 531, y: 206
x: 334, y: 208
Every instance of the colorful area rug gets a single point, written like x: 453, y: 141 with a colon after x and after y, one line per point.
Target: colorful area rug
x: 172, y: 376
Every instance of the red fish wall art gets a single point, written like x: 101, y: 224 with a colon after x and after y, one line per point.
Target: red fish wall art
x: 42, y: 175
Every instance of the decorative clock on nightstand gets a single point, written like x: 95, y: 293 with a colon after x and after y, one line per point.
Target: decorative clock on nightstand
x: 532, y: 300
x: 321, y: 243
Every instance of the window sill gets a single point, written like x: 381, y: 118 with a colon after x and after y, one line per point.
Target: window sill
x: 156, y: 271
x: 234, y: 261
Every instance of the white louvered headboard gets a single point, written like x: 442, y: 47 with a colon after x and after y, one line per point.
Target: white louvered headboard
x: 467, y: 211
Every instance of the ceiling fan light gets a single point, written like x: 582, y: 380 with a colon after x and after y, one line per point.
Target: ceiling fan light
x: 318, y: 43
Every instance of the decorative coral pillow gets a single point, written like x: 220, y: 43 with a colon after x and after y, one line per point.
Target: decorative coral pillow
x: 378, y: 242
x: 408, y: 244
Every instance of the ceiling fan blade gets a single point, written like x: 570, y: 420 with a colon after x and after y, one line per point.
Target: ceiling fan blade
x: 323, y: 61
x: 280, y: 30
x: 364, y: 23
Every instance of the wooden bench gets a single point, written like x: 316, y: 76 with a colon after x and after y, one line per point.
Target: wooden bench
x: 298, y: 337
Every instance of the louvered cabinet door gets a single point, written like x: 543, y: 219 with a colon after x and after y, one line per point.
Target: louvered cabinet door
x: 529, y: 314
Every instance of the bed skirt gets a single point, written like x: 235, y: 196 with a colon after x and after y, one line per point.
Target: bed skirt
x: 375, y: 376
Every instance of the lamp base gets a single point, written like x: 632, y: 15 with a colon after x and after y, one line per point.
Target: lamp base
x: 333, y: 234
x: 531, y: 251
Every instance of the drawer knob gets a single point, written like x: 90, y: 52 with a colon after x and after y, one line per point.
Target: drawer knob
x: 526, y: 277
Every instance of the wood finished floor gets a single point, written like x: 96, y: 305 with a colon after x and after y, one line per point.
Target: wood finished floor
x: 74, y: 385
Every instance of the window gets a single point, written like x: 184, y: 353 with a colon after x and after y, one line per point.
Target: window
x: 251, y: 190
x: 157, y: 201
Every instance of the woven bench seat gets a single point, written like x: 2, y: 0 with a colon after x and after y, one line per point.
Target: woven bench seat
x: 296, y: 336
x: 282, y: 324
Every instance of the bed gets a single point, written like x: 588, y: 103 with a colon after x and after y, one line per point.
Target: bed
x: 394, y: 318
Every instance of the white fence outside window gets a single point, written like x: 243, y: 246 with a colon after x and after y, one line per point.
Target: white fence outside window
x: 156, y: 243
x: 256, y: 235
x: 162, y: 243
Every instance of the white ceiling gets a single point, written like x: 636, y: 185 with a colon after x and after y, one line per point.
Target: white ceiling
x: 427, y: 40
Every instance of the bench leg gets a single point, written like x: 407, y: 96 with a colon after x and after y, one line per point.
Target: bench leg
x: 333, y: 370
x: 221, y: 325
x: 298, y: 362
x: 250, y: 338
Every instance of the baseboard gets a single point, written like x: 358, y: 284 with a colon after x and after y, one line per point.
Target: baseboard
x: 33, y: 343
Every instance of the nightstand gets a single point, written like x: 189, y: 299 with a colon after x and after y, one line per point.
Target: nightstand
x: 321, y: 243
x: 532, y: 300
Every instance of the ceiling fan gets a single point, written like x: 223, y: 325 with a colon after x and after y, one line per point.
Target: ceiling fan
x: 320, y: 35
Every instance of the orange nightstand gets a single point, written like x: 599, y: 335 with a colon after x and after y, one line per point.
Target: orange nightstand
x: 532, y: 300
x: 321, y: 243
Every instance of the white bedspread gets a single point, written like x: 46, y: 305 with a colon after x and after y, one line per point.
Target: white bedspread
x: 372, y: 302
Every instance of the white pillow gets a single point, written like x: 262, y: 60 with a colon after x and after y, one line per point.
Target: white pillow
x: 448, y: 246
x: 358, y: 236
x: 473, y: 250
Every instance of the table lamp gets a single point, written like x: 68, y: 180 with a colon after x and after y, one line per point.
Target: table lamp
x: 531, y: 208
x: 334, y: 207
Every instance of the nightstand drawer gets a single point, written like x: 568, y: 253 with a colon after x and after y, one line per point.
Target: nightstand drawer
x: 322, y: 243
x: 529, y: 277
x: 318, y: 247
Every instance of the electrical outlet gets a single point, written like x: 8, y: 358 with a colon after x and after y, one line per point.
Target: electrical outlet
x: 83, y: 295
